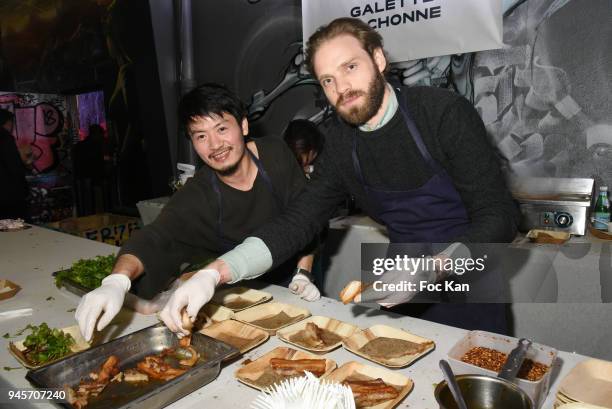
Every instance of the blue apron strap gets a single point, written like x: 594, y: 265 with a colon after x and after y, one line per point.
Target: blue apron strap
x: 356, y: 164
x: 267, y: 180
x: 225, y: 242
x: 416, y: 135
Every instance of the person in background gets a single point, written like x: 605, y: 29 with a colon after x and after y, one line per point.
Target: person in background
x: 88, y: 159
x: 417, y: 160
x: 13, y: 183
x: 305, y: 141
x: 244, y: 184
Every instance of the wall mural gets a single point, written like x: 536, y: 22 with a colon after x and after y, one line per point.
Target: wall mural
x: 43, y: 131
x: 545, y: 97
x: 39, y: 127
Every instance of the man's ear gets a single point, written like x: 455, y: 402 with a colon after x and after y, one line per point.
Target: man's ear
x: 245, y: 126
x: 379, y: 59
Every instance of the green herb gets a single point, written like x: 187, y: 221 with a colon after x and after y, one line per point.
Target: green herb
x: 46, y: 344
x: 18, y: 333
x: 71, y: 310
x: 49, y: 298
x: 8, y: 368
x: 7, y: 335
x: 87, y: 272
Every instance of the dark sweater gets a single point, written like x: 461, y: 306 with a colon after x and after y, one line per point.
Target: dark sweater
x: 185, y: 230
x: 455, y: 137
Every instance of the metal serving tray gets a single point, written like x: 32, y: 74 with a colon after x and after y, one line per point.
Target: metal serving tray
x: 130, y: 349
x: 72, y: 286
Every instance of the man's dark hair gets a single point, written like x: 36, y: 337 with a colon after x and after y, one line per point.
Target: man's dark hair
x: 369, y: 38
x: 302, y: 136
x: 210, y: 99
x: 5, y: 116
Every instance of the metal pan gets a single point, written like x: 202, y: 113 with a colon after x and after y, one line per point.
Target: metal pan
x: 130, y: 349
x: 72, y: 286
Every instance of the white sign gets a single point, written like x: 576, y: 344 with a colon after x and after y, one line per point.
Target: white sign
x: 414, y: 29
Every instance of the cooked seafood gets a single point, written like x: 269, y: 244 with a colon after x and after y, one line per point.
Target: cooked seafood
x: 291, y: 367
x: 155, y: 367
x: 94, y: 386
x: 371, y: 392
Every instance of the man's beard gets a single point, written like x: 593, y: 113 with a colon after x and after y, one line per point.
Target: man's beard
x: 231, y: 169
x: 373, y: 100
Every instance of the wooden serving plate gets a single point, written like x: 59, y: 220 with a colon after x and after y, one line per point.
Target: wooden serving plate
x: 253, y: 336
x: 240, y: 298
x: 211, y: 314
x: 16, y: 348
x: 360, y: 338
x: 270, y: 310
x: 600, y: 234
x: 8, y: 289
x: 548, y: 236
x: 395, y: 379
x: 342, y: 329
x: 249, y: 373
x: 589, y: 382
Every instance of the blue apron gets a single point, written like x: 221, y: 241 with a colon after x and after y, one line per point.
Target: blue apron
x: 432, y: 213
x: 282, y: 274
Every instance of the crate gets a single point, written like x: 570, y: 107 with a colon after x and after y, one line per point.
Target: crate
x: 106, y: 227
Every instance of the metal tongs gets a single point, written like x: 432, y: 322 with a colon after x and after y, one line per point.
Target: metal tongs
x: 515, y: 360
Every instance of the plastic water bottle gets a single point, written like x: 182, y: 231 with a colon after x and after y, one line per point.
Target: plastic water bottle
x: 601, y: 212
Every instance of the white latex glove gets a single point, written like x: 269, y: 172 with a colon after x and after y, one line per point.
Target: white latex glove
x: 108, y: 298
x: 302, y: 286
x: 387, y: 297
x: 193, y: 294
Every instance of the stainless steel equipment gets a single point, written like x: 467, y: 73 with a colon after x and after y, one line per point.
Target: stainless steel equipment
x: 130, y: 349
x: 560, y: 204
x: 484, y: 392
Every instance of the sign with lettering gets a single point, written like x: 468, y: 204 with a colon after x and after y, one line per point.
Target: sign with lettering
x: 414, y: 29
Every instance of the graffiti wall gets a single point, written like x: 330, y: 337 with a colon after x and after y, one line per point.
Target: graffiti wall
x: 545, y: 98
x: 44, y: 133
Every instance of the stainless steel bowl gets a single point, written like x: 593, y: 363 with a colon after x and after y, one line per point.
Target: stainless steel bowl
x: 484, y: 392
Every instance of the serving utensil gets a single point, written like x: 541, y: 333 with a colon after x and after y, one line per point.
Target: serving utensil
x: 454, y: 388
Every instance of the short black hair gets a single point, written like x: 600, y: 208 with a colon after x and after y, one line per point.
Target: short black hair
x: 303, y: 136
x: 210, y: 99
x: 5, y: 116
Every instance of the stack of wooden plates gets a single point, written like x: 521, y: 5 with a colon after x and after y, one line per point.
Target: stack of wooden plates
x: 587, y: 386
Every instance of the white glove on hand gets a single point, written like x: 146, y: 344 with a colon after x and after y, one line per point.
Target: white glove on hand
x: 108, y: 298
x: 398, y: 286
x: 193, y: 294
x: 302, y: 286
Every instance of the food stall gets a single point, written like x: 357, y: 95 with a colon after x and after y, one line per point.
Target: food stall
x: 30, y: 256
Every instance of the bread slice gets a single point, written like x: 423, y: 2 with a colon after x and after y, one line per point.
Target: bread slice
x: 351, y: 290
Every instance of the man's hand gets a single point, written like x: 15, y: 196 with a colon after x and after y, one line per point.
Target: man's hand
x: 399, y: 286
x: 302, y: 286
x: 193, y: 294
x: 108, y: 298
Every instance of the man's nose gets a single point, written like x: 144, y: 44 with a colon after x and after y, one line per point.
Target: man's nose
x: 215, y: 141
x: 342, y: 85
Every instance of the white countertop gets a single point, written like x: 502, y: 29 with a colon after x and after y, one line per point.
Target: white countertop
x: 29, y: 257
